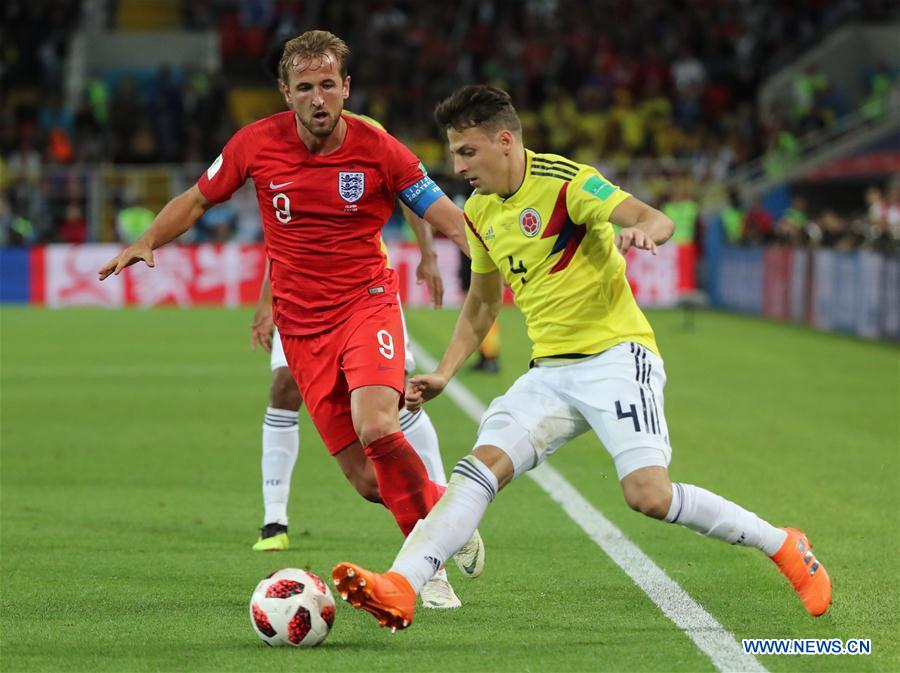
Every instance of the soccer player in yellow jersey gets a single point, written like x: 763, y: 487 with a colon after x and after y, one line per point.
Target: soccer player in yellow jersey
x: 544, y: 224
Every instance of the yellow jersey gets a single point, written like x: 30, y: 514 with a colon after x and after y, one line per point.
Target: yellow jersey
x: 369, y: 120
x: 553, y: 243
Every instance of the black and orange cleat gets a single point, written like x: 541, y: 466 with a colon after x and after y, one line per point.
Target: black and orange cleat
x: 388, y: 597
x: 809, y: 578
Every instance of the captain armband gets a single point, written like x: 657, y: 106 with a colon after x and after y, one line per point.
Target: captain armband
x: 420, y: 195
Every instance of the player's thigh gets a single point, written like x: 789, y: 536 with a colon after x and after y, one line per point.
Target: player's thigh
x: 374, y: 352
x: 375, y: 412
x: 315, y: 363
x: 620, y: 393
x: 530, y: 421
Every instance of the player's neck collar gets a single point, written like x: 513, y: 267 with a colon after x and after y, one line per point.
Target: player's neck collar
x: 338, y: 136
x: 526, y: 156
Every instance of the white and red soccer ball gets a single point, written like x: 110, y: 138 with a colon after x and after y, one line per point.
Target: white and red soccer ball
x: 292, y: 607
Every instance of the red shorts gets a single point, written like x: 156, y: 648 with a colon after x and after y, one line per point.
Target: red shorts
x: 367, y: 349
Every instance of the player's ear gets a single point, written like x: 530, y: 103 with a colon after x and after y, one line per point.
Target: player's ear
x: 285, y: 91
x: 347, y: 87
x: 506, y: 140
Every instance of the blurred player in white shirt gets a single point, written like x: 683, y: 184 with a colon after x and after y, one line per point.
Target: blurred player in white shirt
x: 281, y: 433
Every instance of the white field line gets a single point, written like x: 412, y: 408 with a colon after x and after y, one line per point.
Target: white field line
x: 701, y: 627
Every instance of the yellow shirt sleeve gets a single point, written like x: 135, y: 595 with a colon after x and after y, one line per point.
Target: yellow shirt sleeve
x: 481, y: 260
x: 384, y: 250
x: 591, y: 198
x: 369, y: 120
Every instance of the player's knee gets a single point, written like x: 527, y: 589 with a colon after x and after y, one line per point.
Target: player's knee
x: 653, y: 504
x: 376, y: 426
x: 497, y: 461
x: 648, y: 493
x: 283, y: 393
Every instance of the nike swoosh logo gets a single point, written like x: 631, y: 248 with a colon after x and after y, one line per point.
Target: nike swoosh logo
x: 272, y: 185
x: 471, y: 567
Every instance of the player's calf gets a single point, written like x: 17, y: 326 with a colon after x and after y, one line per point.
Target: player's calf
x: 367, y: 487
x: 648, y: 490
x: 280, y: 447
x: 359, y: 471
x: 283, y: 392
x: 450, y: 525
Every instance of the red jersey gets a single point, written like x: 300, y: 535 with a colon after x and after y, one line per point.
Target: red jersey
x: 322, y: 215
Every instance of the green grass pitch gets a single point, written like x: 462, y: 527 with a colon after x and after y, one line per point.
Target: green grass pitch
x: 130, y: 498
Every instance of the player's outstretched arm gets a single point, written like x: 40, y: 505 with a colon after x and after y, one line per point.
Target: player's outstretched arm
x: 428, y: 271
x: 178, y: 215
x: 448, y: 219
x: 643, y: 227
x: 478, y: 314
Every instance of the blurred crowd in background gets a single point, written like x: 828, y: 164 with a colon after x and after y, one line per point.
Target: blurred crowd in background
x: 667, y: 86
x: 875, y: 224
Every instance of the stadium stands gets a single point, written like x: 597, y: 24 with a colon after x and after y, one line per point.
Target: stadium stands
x: 724, y: 114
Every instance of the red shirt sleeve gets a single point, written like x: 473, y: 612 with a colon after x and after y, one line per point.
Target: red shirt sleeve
x: 408, y: 179
x: 403, y: 167
x: 229, y: 171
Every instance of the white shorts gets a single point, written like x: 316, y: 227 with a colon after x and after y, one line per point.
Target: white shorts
x: 618, y: 394
x: 279, y: 360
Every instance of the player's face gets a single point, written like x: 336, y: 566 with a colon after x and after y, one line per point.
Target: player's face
x: 481, y: 158
x: 316, y: 92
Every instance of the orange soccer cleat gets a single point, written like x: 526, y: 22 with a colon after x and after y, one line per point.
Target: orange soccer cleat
x: 388, y: 597
x: 809, y: 578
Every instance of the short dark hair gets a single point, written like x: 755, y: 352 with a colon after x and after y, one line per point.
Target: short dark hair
x: 478, y: 105
x: 311, y: 44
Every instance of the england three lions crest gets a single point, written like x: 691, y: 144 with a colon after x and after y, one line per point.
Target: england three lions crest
x: 351, y: 185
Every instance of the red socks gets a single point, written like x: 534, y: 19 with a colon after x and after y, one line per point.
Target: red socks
x: 403, y: 482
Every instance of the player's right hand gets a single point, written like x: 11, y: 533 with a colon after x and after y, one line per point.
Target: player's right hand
x: 423, y: 387
x: 262, y: 329
x: 135, y: 252
x: 632, y: 237
x: 429, y: 272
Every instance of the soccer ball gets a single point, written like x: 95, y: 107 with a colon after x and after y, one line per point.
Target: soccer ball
x: 292, y: 607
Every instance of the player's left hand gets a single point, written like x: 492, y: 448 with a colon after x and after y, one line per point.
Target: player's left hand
x: 423, y: 387
x: 412, y: 399
x: 429, y: 273
x: 631, y: 237
x: 135, y: 252
x: 262, y: 328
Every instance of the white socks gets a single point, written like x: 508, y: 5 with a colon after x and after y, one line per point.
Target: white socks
x: 714, y: 516
x: 280, y: 445
x: 449, y: 525
x: 420, y: 433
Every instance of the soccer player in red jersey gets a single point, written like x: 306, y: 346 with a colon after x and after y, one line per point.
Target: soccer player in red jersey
x: 326, y: 184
